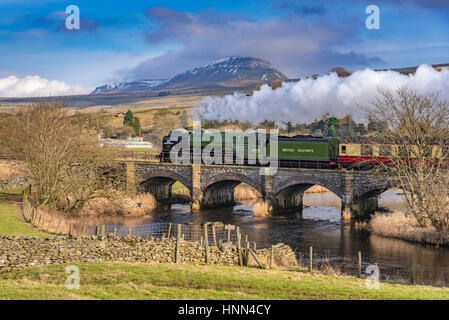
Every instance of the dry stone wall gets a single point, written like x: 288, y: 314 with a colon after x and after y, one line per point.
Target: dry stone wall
x: 21, y: 252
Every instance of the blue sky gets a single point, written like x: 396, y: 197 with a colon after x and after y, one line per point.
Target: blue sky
x: 127, y: 40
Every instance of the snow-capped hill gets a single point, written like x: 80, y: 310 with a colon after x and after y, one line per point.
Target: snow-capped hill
x: 225, y: 72
x: 130, y: 86
x: 235, y: 72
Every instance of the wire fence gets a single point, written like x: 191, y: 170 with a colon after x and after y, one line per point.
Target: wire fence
x: 138, y: 155
x: 212, y: 234
x: 219, y: 234
x: 363, y: 266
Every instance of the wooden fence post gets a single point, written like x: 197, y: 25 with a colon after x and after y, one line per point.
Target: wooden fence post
x: 246, y: 254
x: 178, y: 240
x: 412, y: 271
x: 214, y: 235
x: 49, y: 224
x: 85, y: 228
x: 255, y: 258
x: 359, y: 269
x: 310, y: 259
x: 271, y: 257
x: 103, y: 230
x: 206, y: 243
x: 59, y: 224
x: 169, y: 231
x: 97, y: 230
x: 239, y: 248
x: 70, y: 227
x: 39, y: 221
x: 33, y: 221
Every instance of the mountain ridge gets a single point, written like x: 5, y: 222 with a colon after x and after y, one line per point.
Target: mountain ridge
x: 233, y: 71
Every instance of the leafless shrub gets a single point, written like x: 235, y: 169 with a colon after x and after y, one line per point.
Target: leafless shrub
x: 416, y: 147
x: 60, y: 156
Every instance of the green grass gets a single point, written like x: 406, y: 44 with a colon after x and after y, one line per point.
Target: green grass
x: 178, y: 187
x: 114, y: 280
x: 11, y: 222
x: 108, y: 280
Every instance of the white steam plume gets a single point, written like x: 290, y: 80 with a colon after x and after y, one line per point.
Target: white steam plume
x: 309, y: 99
x: 35, y: 86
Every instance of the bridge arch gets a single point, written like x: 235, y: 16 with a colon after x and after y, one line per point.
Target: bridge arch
x: 307, y: 182
x: 365, y: 199
x: 159, y: 183
x: 218, y: 190
x: 289, y: 194
x: 373, y: 189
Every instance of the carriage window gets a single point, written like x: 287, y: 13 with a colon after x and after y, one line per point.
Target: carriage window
x: 403, y: 151
x: 343, y: 149
x: 367, y: 150
x: 384, y: 150
x: 445, y: 152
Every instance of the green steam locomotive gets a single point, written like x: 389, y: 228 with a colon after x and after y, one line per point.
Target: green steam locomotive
x: 301, y: 151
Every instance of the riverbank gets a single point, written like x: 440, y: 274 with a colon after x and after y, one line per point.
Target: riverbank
x: 118, y: 280
x: 405, y: 227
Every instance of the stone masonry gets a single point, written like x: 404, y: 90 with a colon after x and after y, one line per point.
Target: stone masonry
x: 212, y: 185
x: 21, y: 252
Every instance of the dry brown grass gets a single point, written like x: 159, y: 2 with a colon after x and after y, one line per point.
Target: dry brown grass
x: 245, y: 192
x: 53, y: 221
x: 317, y: 189
x: 362, y: 225
x: 346, y: 214
x: 10, y: 169
x: 133, y: 207
x: 260, y: 209
x: 402, y: 226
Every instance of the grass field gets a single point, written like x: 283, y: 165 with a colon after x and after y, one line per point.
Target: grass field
x: 11, y: 222
x: 118, y: 280
x: 109, y: 280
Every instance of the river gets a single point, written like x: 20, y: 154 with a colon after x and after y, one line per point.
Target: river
x: 334, y: 241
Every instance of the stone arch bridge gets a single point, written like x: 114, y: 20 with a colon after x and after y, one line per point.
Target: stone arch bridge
x: 213, y: 185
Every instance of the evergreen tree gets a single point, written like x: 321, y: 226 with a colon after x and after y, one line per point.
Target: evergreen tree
x: 135, y: 124
x: 128, y: 117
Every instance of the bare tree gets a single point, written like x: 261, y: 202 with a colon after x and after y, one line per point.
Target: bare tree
x: 415, y: 151
x: 61, y: 157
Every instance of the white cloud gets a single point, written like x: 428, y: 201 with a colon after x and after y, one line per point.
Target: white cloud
x: 310, y: 99
x: 35, y: 86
